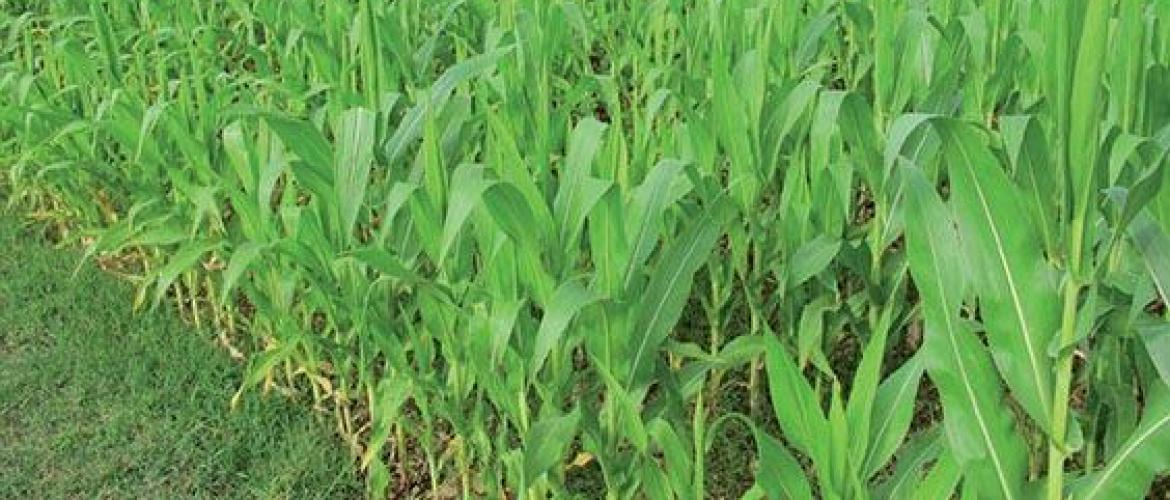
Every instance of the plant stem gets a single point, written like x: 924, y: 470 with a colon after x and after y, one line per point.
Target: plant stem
x: 1056, y: 444
x: 1068, y: 330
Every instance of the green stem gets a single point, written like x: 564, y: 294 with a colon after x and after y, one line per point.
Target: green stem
x: 1056, y: 445
x: 699, y: 427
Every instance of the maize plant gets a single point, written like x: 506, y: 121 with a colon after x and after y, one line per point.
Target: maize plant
x: 534, y: 248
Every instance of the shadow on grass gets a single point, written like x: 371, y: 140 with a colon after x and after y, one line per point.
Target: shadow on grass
x: 98, y: 402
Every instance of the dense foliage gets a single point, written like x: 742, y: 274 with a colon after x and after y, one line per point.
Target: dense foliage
x: 922, y: 244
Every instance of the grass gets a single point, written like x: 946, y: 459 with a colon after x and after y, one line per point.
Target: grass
x: 98, y: 402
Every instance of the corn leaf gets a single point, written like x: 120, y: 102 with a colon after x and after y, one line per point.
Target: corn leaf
x: 981, y: 435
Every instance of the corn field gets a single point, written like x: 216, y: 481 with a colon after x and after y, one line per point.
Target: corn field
x: 909, y: 248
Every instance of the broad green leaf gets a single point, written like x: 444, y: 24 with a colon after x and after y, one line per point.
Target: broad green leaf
x: 644, y: 222
x: 241, y: 259
x: 467, y: 185
x: 1144, y: 189
x: 608, y: 244
x: 861, y: 406
x: 670, y: 285
x: 398, y: 196
x: 386, y: 263
x: 913, y: 457
x: 811, y: 258
x: 1153, y: 245
x: 512, y: 213
x: 355, y: 156
x: 1018, y: 296
x: 902, y: 128
x: 1156, y: 338
x: 411, y: 126
x: 780, y: 475
x: 942, y: 480
x: 677, y: 456
x: 733, y: 127
x: 105, y: 38
x: 547, y: 441
x: 392, y: 393
x: 185, y: 259
x: 627, y: 405
x: 1030, y: 156
x: 981, y: 435
x: 589, y: 193
x: 893, y: 409
x: 303, y: 139
x: 1084, y: 132
x: 810, y: 333
x: 579, y: 191
x: 797, y: 407
x: 241, y: 159
x: 566, y: 302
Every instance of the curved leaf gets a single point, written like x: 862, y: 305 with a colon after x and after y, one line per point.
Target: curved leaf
x: 355, y: 156
x: 669, y: 287
x: 547, y: 441
x: 1130, y: 471
x: 1018, y: 298
x: 566, y: 302
x: 893, y: 410
x: 980, y: 433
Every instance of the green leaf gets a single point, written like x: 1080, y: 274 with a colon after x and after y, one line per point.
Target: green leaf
x: 912, y: 458
x: 942, y: 479
x: 355, y: 156
x: 981, y: 435
x: 185, y: 259
x: 1018, y: 296
x: 677, y: 456
x: 395, y: 199
x: 1130, y: 471
x: 893, y: 410
x: 1029, y: 154
x: 670, y: 285
x: 392, y: 393
x: 503, y: 322
x: 411, y: 126
x: 511, y: 212
x: 780, y: 475
x: 644, y: 220
x: 546, y: 442
x: 566, y: 302
x: 467, y: 185
x: 859, y: 408
x: 304, y: 140
x: 579, y: 191
x: 902, y: 128
x: 797, y: 407
x: 386, y: 263
x: 240, y: 261
x: 1156, y: 337
x: 1084, y: 132
x: 810, y: 333
x: 812, y: 258
x: 1145, y: 189
x: 608, y: 245
x: 1153, y: 245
